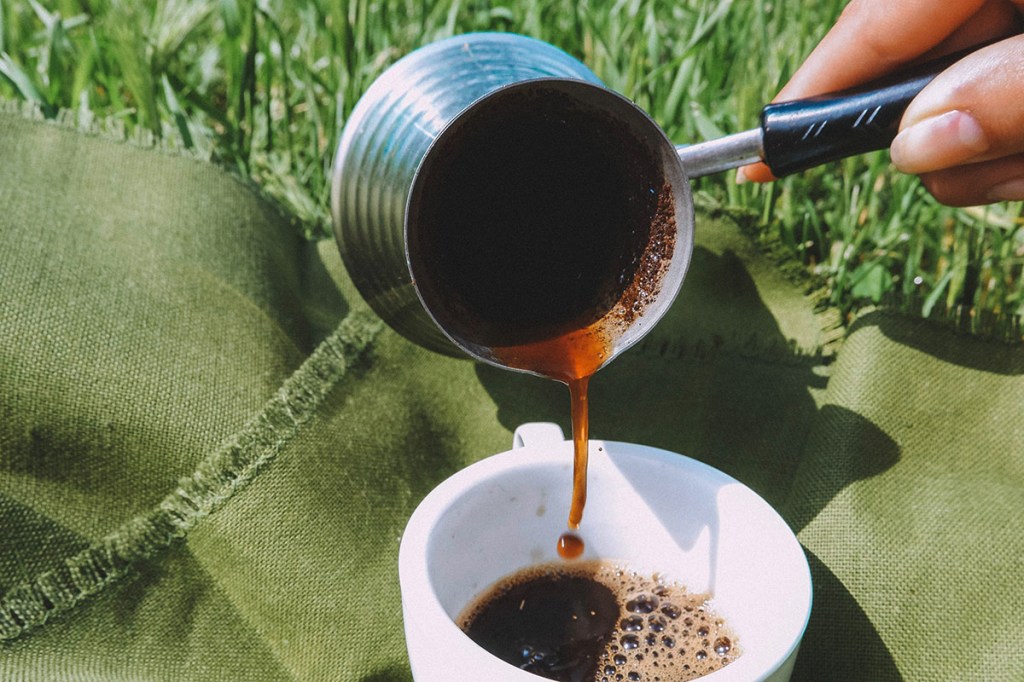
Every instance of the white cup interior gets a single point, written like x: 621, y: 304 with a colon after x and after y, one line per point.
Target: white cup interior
x: 648, y: 509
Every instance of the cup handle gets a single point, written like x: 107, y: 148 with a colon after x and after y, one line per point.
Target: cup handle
x: 537, y: 434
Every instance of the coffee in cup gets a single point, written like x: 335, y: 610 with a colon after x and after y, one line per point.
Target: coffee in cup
x: 654, y: 513
x: 595, y: 620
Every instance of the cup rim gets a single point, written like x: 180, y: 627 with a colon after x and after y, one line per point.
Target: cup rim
x: 416, y: 539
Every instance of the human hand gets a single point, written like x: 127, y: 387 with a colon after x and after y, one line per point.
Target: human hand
x: 964, y: 133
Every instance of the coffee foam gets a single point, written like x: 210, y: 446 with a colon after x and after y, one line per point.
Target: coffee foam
x: 663, y: 632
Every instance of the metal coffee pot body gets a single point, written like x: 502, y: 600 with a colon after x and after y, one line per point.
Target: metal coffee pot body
x: 385, y: 150
x: 386, y: 154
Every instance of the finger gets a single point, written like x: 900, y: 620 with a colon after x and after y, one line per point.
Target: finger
x: 872, y: 38
x: 755, y: 172
x: 972, y: 111
x: 841, y: 61
x: 979, y: 183
x: 995, y: 19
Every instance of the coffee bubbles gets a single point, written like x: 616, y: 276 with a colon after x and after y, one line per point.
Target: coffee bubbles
x: 596, y: 622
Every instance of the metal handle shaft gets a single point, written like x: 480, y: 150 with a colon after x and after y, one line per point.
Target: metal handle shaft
x: 715, y: 156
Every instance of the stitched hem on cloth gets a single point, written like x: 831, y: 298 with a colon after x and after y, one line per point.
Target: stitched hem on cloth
x: 113, y: 129
x: 168, y: 142
x: 223, y: 473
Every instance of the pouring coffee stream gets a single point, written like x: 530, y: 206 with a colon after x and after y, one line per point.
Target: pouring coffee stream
x: 541, y: 251
x: 492, y: 197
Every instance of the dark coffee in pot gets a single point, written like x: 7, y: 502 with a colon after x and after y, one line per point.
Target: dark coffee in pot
x: 532, y: 219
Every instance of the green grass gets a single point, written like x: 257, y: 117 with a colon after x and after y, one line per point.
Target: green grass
x: 265, y: 88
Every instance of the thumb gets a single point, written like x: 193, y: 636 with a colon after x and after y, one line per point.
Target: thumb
x: 972, y: 112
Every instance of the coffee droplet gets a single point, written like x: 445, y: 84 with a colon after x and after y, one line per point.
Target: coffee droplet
x: 570, y: 546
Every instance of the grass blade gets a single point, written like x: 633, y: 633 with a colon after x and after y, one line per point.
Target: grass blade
x: 20, y: 80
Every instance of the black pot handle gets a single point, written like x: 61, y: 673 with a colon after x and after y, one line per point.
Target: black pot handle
x: 804, y: 133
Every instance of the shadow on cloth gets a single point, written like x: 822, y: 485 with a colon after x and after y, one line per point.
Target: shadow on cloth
x: 995, y: 357
x: 840, y: 642
x: 843, y: 448
x: 391, y: 674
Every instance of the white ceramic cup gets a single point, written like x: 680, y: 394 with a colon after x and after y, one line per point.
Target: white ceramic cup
x: 648, y: 510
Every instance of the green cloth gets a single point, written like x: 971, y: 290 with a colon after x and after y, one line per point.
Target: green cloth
x: 209, y: 447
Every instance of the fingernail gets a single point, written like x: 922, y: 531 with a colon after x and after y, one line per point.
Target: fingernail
x: 741, y: 176
x: 1011, y: 190
x: 938, y: 142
